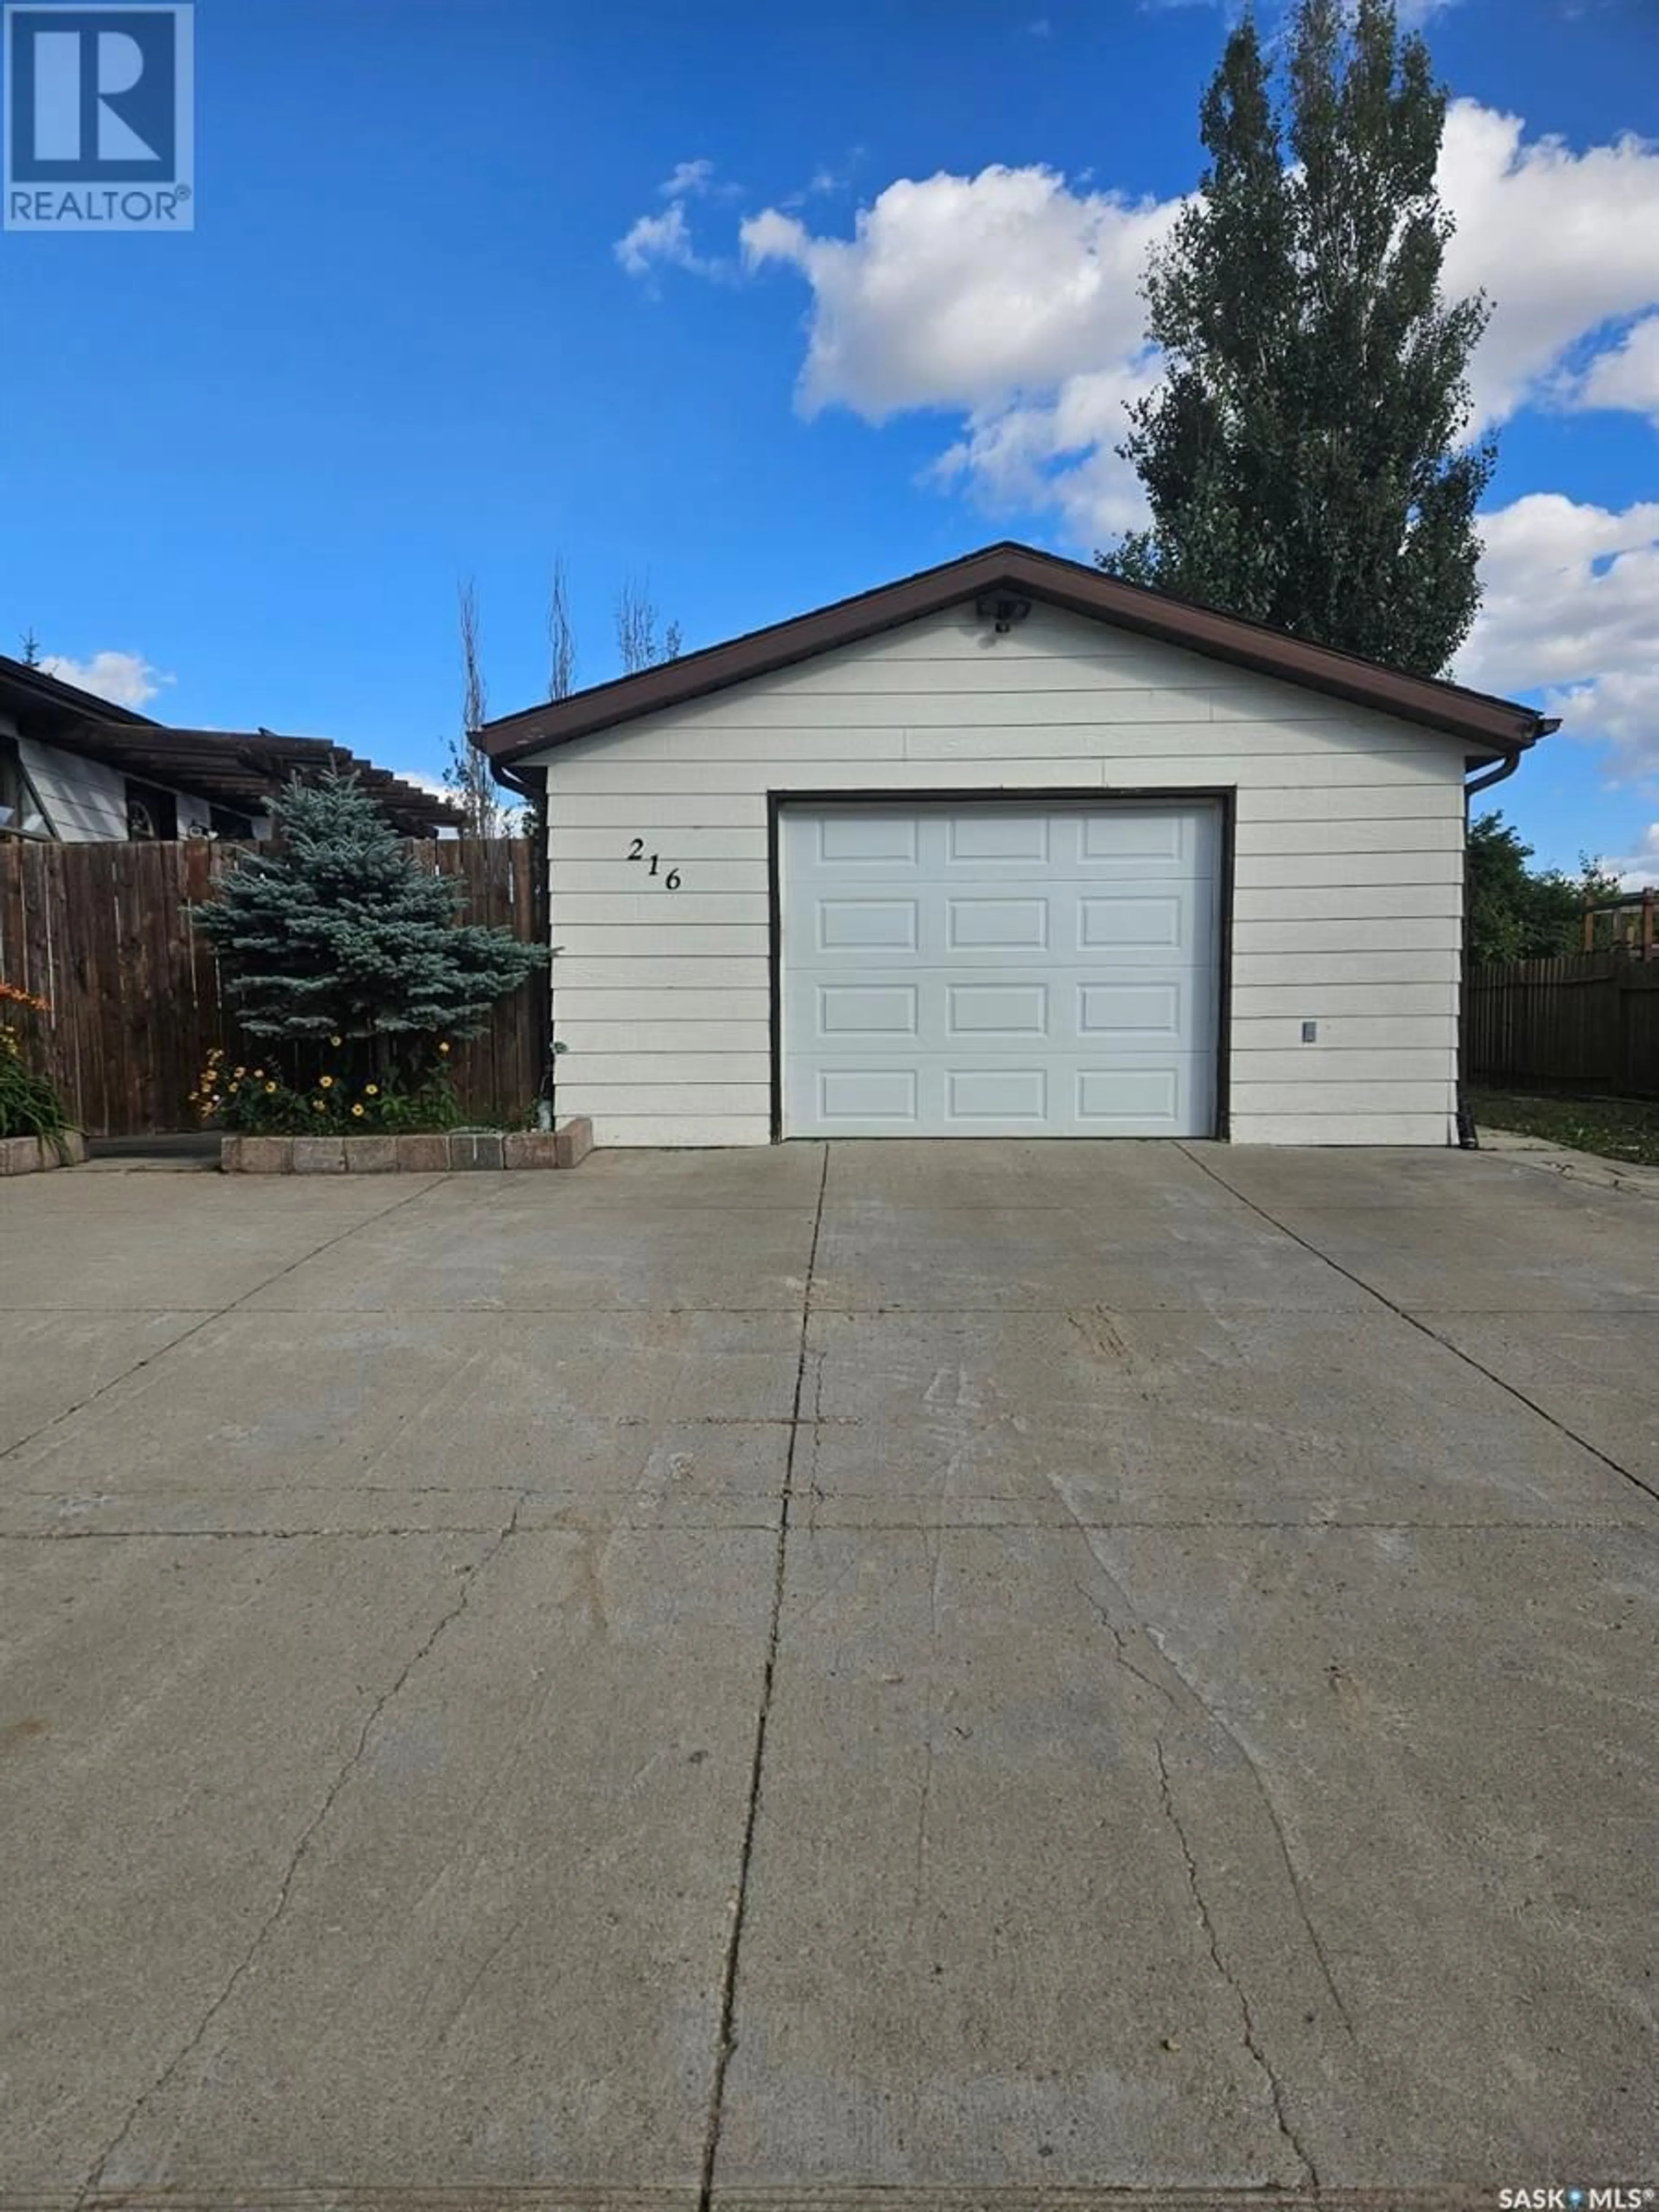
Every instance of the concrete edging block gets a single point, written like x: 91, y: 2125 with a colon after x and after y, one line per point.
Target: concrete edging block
x: 530, y: 1148
x: 476, y: 1148
x: 371, y: 1155
x: 319, y: 1155
x: 432, y: 1153
x: 422, y: 1155
x: 36, y: 1155
x: 574, y: 1141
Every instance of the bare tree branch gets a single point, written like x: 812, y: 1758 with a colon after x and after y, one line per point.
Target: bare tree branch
x: 638, y: 645
x: 561, y: 636
x: 468, y: 774
x: 475, y: 705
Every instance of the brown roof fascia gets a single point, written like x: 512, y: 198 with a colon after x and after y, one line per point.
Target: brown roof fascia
x: 1493, y: 725
x: 53, y: 691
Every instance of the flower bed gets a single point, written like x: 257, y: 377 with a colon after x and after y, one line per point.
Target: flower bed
x: 437, y: 1152
x: 35, y: 1128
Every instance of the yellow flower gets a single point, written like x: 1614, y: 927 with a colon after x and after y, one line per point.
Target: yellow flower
x: 334, y: 1040
x: 238, y: 1073
x: 371, y: 1090
x: 270, y: 1087
x: 358, y: 1113
x: 259, y: 1075
x: 443, y: 1047
x: 318, y: 1105
x: 325, y: 1082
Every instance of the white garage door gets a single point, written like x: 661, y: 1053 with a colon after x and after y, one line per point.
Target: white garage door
x: 994, y: 969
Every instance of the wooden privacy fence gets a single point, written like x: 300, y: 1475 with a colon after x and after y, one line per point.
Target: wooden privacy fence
x: 1588, y: 1020
x: 102, y: 932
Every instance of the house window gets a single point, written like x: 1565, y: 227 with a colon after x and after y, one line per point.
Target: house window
x: 150, y: 813
x: 20, y: 810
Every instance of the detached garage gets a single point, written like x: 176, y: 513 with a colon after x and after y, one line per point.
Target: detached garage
x: 1009, y: 848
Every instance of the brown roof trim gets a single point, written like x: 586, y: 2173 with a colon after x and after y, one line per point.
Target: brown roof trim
x: 17, y: 675
x: 1495, y: 725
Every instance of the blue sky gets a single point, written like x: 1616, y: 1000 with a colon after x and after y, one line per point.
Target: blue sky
x: 774, y: 303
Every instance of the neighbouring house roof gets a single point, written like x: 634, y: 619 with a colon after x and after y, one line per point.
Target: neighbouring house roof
x: 243, y: 769
x: 1491, y: 725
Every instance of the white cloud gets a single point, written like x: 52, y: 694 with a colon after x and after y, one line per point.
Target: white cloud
x: 1626, y: 375
x: 687, y: 179
x: 1637, y: 871
x: 1563, y: 243
x: 1571, y: 609
x: 662, y: 242
x: 126, y: 679
x: 1011, y: 299
x: 959, y: 291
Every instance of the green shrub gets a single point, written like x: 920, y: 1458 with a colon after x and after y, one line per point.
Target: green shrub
x: 29, y: 1103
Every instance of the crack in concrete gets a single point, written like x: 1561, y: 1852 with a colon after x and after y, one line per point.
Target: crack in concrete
x: 1218, y: 1721
x: 95, y: 2179
x: 919, y: 1869
x: 237, y: 1535
x: 1251, y: 2036
x: 1121, y: 1643
x: 1401, y: 1313
x: 207, y: 1320
x: 726, y: 2039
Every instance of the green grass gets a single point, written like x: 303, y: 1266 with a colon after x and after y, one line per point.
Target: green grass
x: 1617, y: 1128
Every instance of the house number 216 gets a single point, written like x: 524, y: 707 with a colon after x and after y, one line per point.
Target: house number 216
x: 636, y: 851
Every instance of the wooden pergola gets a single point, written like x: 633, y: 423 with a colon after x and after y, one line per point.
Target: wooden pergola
x: 246, y: 769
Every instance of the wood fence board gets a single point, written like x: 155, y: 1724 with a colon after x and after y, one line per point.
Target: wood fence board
x: 1589, y: 1020
x: 103, y: 932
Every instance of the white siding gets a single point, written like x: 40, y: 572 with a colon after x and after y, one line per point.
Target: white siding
x: 1348, y: 864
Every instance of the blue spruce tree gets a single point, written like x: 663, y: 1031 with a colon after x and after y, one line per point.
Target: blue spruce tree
x: 342, y: 934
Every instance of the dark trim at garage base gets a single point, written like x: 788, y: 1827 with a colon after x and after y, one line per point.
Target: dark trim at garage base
x: 1222, y: 796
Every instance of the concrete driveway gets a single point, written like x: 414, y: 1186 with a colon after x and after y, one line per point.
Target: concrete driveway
x: 798, y: 1677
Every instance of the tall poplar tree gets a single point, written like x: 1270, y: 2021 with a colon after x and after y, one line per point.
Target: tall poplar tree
x: 1306, y: 458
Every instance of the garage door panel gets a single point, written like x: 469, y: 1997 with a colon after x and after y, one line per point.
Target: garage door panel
x: 1131, y: 1014
x: 1008, y: 837
x: 868, y: 925
x: 863, y: 837
x: 1134, y: 838
x: 1008, y: 924
x: 1132, y: 919
x: 995, y: 1010
x: 862, y: 1095
x: 845, y: 1010
x: 997, y: 966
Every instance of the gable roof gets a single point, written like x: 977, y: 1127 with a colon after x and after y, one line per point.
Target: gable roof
x: 243, y: 769
x: 1491, y: 725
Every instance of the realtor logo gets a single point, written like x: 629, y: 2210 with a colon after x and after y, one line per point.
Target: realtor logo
x: 99, y: 123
